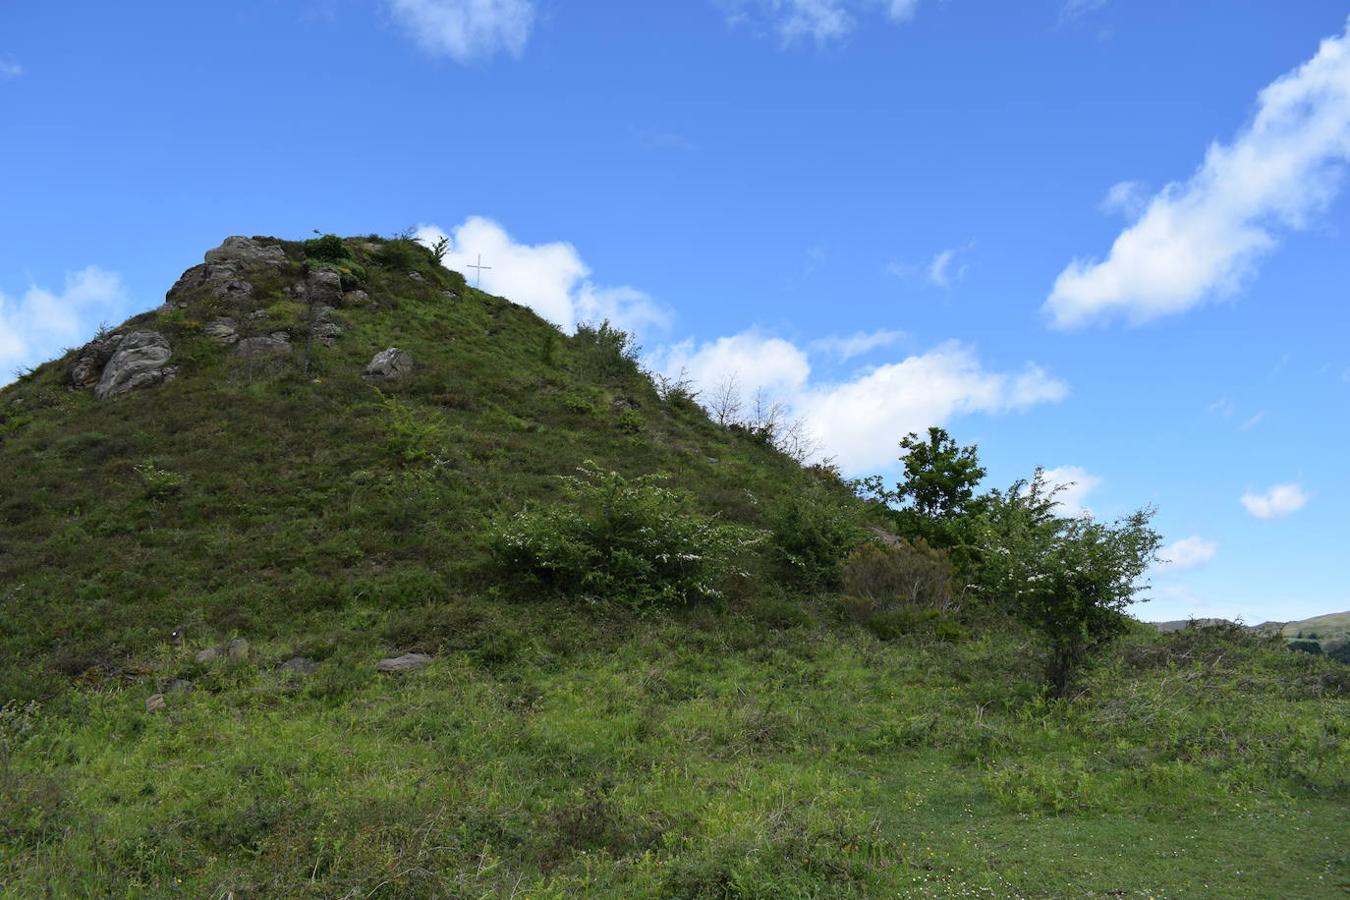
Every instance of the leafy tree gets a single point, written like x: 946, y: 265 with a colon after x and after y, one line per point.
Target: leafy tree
x: 937, y: 494
x: 1068, y: 578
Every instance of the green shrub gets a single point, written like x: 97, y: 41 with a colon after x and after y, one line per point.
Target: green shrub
x: 160, y: 484
x: 813, y: 531
x: 328, y: 248
x: 606, y: 353
x: 412, y: 435
x: 617, y: 538
x: 630, y: 421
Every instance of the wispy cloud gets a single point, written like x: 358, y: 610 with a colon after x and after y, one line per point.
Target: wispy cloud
x: 1187, y: 553
x: 856, y: 344
x: 1072, y: 10
x: 1252, y: 421
x: 42, y: 322
x: 1126, y: 198
x: 466, y: 30
x: 552, y: 279
x: 9, y: 68
x: 943, y: 270
x: 1203, y: 237
x: 818, y: 21
x: 1277, y: 502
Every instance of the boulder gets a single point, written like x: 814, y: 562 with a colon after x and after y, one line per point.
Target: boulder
x: 323, y: 286
x: 237, y: 649
x: 416, y: 276
x: 223, y: 330
x: 224, y: 279
x: 278, y: 343
x: 301, y: 665
x: 247, y: 251
x: 405, y: 663
x: 355, y: 298
x: 155, y: 703
x: 140, y: 359
x: 209, y: 655
x: 388, y: 365
x: 92, y: 358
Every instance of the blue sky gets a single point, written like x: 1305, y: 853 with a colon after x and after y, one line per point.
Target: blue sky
x: 1107, y: 238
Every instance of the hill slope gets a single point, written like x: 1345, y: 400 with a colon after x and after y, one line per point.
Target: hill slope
x: 225, y: 468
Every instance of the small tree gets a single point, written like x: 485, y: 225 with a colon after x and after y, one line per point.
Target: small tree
x: 1068, y: 578
x: 937, y: 494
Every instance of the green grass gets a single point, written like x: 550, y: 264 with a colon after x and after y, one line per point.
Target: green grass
x: 766, y: 746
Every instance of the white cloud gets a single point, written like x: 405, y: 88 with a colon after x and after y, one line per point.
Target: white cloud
x: 466, y: 30
x: 9, y: 69
x: 1203, y: 237
x: 856, y: 344
x: 41, y: 323
x: 1126, y: 198
x: 821, y: 21
x: 550, y: 278
x: 860, y: 421
x: 1279, y: 501
x: 1075, y: 483
x: 1187, y: 553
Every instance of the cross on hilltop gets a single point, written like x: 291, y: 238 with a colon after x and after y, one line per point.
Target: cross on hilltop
x: 478, y: 276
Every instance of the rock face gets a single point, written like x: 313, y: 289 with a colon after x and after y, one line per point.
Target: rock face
x: 141, y: 359
x: 404, y: 663
x: 278, y: 343
x: 388, y: 365
x: 223, y: 330
x: 247, y: 251
x: 88, y: 367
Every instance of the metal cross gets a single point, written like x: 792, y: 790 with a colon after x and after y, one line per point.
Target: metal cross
x: 478, y: 276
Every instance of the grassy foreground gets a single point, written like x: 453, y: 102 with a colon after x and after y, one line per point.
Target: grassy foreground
x: 768, y: 752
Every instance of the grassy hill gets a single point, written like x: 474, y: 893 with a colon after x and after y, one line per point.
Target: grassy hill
x: 259, y: 485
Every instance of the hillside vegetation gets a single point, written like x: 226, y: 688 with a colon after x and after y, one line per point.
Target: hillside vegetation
x: 655, y: 656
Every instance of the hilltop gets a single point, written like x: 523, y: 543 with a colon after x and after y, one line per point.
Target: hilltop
x: 267, y: 629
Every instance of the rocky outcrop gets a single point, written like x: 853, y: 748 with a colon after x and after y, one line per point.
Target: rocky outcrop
x: 247, y: 251
x: 92, y: 359
x: 235, y: 650
x: 388, y: 365
x: 278, y: 343
x: 224, y: 280
x: 141, y: 359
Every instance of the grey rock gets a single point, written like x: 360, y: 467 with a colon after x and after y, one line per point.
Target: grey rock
x: 246, y: 250
x: 140, y: 359
x: 355, y: 298
x: 224, y: 279
x: 404, y: 663
x: 415, y: 276
x: 209, y: 655
x: 301, y: 665
x: 223, y: 330
x: 450, y: 295
x: 155, y: 703
x: 237, y: 649
x: 388, y: 365
x: 278, y: 343
x: 327, y: 333
x: 257, y: 314
x: 91, y: 360
x: 323, y: 286
x: 179, y: 686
